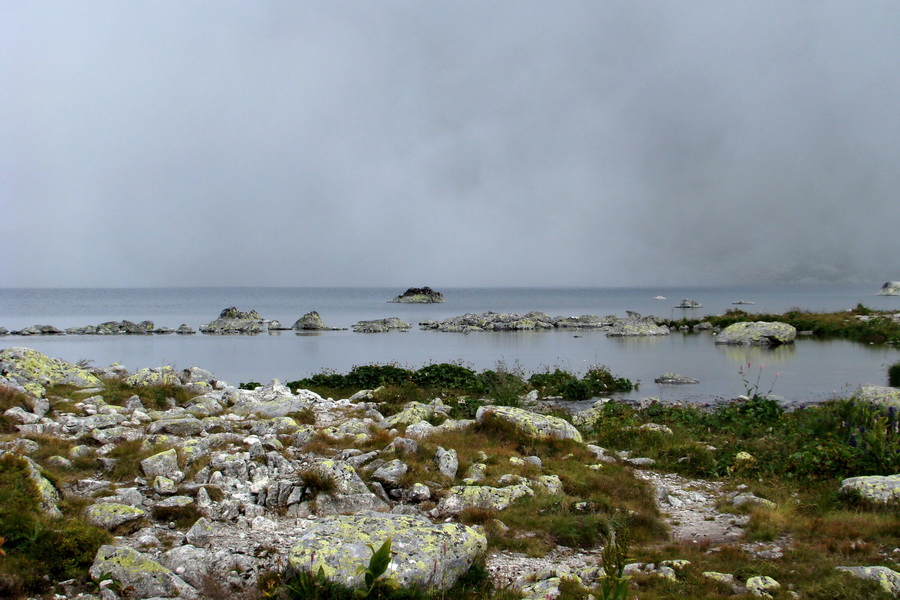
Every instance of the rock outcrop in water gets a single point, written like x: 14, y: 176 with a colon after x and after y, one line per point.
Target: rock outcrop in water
x: 890, y: 288
x: 381, y: 325
x: 233, y: 321
x: 761, y: 333
x: 633, y: 325
x: 423, y: 295
x: 688, y: 303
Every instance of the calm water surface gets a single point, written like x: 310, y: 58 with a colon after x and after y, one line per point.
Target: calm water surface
x: 810, y: 370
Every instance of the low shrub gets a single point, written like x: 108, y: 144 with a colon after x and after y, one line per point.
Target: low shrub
x: 35, y: 545
x: 894, y: 375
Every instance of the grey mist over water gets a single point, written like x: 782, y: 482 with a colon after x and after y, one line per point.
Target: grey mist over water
x: 810, y: 370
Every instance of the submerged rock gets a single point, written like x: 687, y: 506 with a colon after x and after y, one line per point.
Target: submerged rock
x: 675, y: 379
x: 423, y: 295
x: 760, y: 333
x: 890, y: 288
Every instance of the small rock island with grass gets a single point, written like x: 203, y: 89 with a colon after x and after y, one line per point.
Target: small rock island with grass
x: 422, y: 295
x: 436, y: 483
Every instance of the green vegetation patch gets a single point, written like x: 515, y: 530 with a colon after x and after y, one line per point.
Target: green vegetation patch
x: 36, y: 545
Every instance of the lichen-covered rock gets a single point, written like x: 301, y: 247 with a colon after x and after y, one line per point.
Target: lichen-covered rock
x: 416, y: 412
x: 531, y: 424
x: 200, y: 533
x: 31, y: 371
x: 163, y: 464
x: 381, y: 325
x: 447, y: 462
x: 878, y: 394
x: 114, y: 516
x: 461, y: 497
x: 124, y: 328
x: 350, y: 492
x: 390, y: 473
x: 890, y: 288
x: 874, y: 488
x: 635, y: 325
x: 165, y: 375
x: 137, y: 570
x: 888, y: 578
x: 760, y: 333
x: 426, y: 555
x: 233, y: 321
x: 47, y: 494
x: 423, y: 295
x: 761, y: 586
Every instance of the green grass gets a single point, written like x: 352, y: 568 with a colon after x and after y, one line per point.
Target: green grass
x: 502, y: 385
x: 877, y: 327
x: 37, y: 545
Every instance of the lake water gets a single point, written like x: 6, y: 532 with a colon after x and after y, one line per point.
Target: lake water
x: 810, y: 370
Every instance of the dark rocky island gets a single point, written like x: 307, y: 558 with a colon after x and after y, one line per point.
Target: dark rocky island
x: 423, y: 295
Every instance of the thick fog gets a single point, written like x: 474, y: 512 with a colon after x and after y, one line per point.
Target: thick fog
x: 465, y: 143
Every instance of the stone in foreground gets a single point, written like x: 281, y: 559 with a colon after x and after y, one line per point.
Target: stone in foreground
x: 426, y: 555
x: 888, y: 578
x: 874, y: 488
x: 137, y: 570
x: 760, y: 333
x: 32, y: 371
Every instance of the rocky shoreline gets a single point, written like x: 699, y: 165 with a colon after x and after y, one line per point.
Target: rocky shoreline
x: 232, y: 321
x: 227, y: 484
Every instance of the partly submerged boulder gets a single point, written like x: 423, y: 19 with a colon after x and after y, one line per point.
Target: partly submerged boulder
x: 760, y: 333
x: 423, y: 295
x: 381, y: 325
x: 675, y: 379
x: 32, y: 370
x: 688, y: 303
x: 531, y: 424
x: 890, y: 288
x: 424, y: 555
x: 636, y: 325
x: 233, y: 321
x: 311, y: 321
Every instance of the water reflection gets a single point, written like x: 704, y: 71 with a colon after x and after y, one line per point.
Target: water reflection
x: 757, y: 355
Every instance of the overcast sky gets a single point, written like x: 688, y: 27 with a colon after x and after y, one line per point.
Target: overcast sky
x: 452, y: 143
